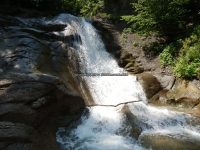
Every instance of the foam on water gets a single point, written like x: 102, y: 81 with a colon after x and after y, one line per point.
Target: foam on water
x: 106, y: 128
x: 101, y: 130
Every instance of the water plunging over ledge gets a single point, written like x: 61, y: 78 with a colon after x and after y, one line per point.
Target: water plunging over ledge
x: 107, y: 128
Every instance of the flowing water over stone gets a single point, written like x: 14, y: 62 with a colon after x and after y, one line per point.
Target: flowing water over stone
x: 106, y: 127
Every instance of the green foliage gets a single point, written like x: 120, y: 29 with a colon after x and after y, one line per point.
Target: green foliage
x: 160, y: 16
x: 185, y: 69
x: 143, y: 21
x: 166, y: 57
x: 169, y: 53
x: 105, y: 16
x: 86, y: 8
x: 184, y: 56
x: 154, y: 48
x: 173, y: 18
x: 188, y: 62
x: 127, y: 31
x: 73, y: 6
x: 91, y: 7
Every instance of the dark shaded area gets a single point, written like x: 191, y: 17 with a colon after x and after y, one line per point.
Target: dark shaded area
x: 118, y: 7
x: 44, y: 5
x: 30, y: 8
x: 153, y: 50
x: 180, y: 26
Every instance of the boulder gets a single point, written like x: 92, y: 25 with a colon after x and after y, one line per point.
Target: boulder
x: 166, y: 142
x: 186, y: 89
x: 136, y: 124
x: 184, y: 96
x: 166, y: 81
x: 149, y: 83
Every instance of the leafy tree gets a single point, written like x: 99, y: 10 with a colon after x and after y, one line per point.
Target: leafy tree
x: 167, y: 17
x: 86, y: 8
x: 92, y: 7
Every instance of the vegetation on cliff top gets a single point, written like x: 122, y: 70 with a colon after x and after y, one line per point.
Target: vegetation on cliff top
x: 178, y: 20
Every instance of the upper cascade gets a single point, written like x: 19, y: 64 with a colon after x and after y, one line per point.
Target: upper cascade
x: 108, y: 83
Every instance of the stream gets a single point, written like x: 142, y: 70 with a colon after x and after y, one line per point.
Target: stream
x: 103, y: 82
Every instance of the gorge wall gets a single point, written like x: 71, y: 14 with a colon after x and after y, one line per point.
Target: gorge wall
x: 35, y: 84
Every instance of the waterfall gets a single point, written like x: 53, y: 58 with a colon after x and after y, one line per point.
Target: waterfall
x: 107, y: 128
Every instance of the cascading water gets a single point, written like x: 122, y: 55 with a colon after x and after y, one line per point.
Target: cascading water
x: 106, y: 128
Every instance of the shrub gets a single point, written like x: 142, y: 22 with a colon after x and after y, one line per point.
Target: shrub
x: 188, y: 62
x: 187, y: 69
x: 166, y: 57
x: 169, y: 53
x: 72, y: 6
x: 86, y: 8
x: 91, y: 7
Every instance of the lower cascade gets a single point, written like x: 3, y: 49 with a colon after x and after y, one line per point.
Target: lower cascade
x: 111, y: 122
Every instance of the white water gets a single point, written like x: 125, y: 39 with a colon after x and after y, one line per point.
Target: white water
x: 106, y: 128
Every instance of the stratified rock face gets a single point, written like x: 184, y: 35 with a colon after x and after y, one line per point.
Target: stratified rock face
x: 180, y: 94
x: 35, y: 85
x: 177, y: 94
x: 186, y: 89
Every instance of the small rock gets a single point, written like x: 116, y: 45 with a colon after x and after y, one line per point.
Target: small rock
x: 150, y: 84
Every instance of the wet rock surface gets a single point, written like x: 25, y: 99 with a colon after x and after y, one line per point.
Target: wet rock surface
x: 166, y: 142
x: 35, y: 84
x: 183, y: 96
x: 176, y: 94
x: 149, y: 83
